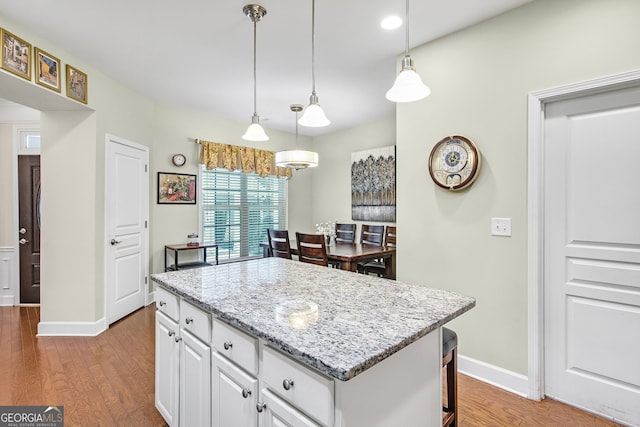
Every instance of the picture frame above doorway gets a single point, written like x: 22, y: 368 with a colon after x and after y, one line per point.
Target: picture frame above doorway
x: 47, y: 70
x: 16, y: 54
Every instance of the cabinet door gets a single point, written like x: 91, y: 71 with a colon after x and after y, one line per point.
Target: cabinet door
x: 195, y: 381
x: 167, y: 358
x: 235, y: 394
x: 278, y: 413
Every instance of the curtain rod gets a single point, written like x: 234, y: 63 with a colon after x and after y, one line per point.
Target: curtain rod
x: 197, y: 141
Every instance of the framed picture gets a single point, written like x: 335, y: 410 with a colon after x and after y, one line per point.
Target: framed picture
x: 16, y: 55
x: 373, y: 185
x: 176, y: 188
x: 47, y: 70
x: 77, y: 84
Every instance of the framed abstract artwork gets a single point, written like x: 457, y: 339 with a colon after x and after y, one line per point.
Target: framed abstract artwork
x: 373, y: 185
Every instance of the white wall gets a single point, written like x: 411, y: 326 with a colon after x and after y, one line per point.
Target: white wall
x: 174, y: 132
x: 480, y: 78
x: 331, y: 181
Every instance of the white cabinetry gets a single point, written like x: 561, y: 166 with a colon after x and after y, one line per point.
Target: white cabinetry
x: 234, y: 377
x: 167, y: 373
x: 183, y: 362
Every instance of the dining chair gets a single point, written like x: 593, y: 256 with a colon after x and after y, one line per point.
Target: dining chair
x: 345, y: 233
x: 450, y: 362
x: 312, y: 248
x: 279, y: 243
x: 377, y: 266
x: 372, y: 234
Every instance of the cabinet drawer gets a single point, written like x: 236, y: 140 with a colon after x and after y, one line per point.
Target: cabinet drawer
x: 238, y: 346
x: 167, y: 303
x: 195, y: 320
x: 309, y: 391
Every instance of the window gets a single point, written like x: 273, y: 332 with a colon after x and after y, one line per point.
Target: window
x: 237, y: 209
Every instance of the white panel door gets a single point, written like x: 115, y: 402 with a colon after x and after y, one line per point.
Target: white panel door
x: 592, y: 253
x: 127, y: 207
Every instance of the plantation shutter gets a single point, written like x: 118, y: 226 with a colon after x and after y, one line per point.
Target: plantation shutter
x: 237, y: 209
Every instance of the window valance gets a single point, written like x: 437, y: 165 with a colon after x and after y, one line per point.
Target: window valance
x: 233, y: 157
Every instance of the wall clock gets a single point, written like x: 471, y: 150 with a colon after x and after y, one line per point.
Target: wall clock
x: 179, y: 159
x: 454, y: 162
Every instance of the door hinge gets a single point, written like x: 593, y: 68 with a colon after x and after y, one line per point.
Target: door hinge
x: 145, y: 223
x: 145, y: 280
x: 145, y: 168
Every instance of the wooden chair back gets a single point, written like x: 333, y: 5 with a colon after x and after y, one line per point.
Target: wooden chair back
x: 372, y: 234
x: 279, y: 243
x: 346, y: 233
x: 312, y: 248
x: 390, y: 236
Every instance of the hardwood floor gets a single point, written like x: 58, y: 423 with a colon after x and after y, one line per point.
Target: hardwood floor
x: 108, y: 380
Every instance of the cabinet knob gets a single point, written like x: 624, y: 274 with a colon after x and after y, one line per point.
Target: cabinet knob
x: 178, y: 339
x: 228, y: 345
x: 246, y: 392
x: 162, y: 303
x: 287, y: 384
x: 261, y: 406
x: 172, y: 333
x: 188, y: 320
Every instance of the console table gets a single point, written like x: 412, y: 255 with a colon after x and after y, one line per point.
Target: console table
x: 176, y: 265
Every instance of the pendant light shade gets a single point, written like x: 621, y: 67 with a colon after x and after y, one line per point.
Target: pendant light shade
x: 255, y: 132
x: 297, y: 159
x: 408, y: 86
x: 313, y: 116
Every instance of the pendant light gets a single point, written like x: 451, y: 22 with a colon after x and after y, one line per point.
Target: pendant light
x: 296, y: 159
x: 255, y: 132
x: 313, y: 116
x: 408, y: 86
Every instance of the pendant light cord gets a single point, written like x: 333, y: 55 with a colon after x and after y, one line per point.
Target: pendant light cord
x: 406, y: 50
x: 313, y: 47
x: 255, y: 91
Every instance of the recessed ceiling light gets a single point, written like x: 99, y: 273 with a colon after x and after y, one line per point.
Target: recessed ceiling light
x: 391, y: 22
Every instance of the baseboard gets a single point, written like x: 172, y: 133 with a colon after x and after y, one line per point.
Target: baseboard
x: 151, y: 298
x: 494, y: 375
x: 65, y: 329
x: 7, y: 300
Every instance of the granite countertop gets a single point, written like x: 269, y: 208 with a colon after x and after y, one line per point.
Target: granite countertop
x: 336, y: 321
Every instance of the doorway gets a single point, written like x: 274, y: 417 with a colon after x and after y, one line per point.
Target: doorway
x: 29, y: 227
x: 585, y: 246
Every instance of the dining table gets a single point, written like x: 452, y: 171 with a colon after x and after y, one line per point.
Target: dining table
x: 348, y: 255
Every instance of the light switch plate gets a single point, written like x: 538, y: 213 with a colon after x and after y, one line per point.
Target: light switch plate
x: 501, y: 227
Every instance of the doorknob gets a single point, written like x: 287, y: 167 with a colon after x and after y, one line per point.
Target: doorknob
x: 23, y: 241
x: 22, y: 231
x: 115, y: 242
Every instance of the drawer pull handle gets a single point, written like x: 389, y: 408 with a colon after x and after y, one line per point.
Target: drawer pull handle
x: 178, y: 339
x: 162, y: 303
x: 172, y: 333
x: 188, y: 320
x: 261, y: 406
x: 228, y: 345
x: 287, y: 384
x: 246, y: 392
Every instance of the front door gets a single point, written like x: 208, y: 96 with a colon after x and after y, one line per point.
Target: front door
x: 29, y: 228
x: 127, y: 207
x: 592, y: 253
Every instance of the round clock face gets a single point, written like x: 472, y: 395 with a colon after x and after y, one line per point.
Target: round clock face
x: 179, y: 159
x: 454, y: 162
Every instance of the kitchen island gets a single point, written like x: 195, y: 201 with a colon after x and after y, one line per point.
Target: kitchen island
x: 324, y: 346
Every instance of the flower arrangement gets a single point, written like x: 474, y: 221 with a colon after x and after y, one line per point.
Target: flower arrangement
x: 327, y: 228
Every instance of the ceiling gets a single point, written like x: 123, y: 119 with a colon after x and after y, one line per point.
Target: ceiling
x: 198, y: 54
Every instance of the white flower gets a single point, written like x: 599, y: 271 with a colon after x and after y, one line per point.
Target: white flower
x: 327, y: 228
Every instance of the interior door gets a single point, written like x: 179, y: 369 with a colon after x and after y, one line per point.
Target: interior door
x: 592, y: 253
x: 127, y: 207
x: 29, y: 229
